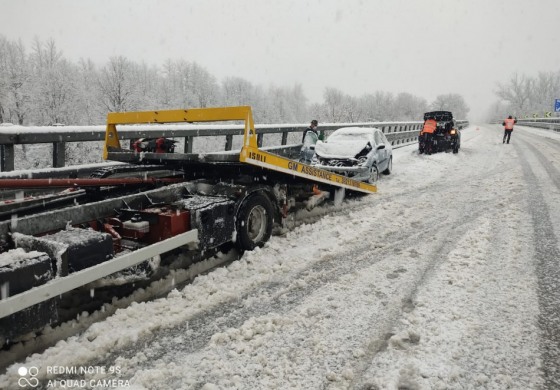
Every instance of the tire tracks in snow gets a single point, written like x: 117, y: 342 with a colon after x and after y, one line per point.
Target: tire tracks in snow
x: 283, y: 297
x: 547, y: 255
x: 467, y: 219
x: 232, y: 314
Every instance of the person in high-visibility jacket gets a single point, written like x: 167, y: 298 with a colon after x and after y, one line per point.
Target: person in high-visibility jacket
x: 428, y: 131
x: 508, y: 128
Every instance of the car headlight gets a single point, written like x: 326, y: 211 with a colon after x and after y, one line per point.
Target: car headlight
x: 453, y: 132
x: 362, y: 160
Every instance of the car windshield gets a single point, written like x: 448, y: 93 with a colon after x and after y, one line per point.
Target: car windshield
x: 349, y: 136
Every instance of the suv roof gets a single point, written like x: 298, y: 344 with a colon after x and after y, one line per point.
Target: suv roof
x: 439, y: 115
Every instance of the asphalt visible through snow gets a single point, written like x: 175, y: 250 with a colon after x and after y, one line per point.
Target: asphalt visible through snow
x: 547, y: 252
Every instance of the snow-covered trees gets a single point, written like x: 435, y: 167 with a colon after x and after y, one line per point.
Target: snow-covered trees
x: 15, y: 79
x: 517, y: 92
x: 528, y: 96
x: 410, y: 107
x: 54, y: 82
x: 3, y: 79
x: 43, y: 88
x: 236, y: 91
x: 333, y: 99
x: 116, y: 86
x: 383, y: 106
x: 87, y: 110
x: 451, y: 102
x: 546, y: 88
x: 377, y: 107
x: 186, y: 84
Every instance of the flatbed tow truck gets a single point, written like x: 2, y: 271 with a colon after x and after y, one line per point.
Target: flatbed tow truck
x: 160, y: 202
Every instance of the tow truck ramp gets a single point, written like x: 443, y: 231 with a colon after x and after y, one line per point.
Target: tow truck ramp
x: 249, y: 154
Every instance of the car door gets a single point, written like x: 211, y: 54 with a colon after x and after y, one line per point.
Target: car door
x: 381, y: 153
x: 388, y: 147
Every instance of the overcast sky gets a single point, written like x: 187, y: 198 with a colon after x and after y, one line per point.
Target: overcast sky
x: 424, y: 47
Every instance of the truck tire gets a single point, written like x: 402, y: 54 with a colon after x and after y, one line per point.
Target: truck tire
x: 254, y: 222
x: 456, y: 148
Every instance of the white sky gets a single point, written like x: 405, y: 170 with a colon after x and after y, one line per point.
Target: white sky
x: 425, y: 47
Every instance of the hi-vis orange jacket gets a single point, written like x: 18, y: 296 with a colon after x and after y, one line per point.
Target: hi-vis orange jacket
x: 429, y: 126
x: 508, y: 123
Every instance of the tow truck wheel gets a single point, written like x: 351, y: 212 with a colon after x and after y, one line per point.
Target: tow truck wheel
x: 456, y: 148
x: 373, y: 175
x: 254, y: 222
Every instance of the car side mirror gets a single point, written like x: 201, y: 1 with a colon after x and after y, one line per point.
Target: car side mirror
x: 380, y: 146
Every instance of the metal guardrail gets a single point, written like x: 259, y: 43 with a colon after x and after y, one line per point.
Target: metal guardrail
x: 541, y: 123
x: 64, y: 284
x: 398, y: 133
x: 548, y: 120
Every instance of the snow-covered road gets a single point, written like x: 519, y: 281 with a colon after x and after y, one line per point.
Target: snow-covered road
x: 448, y: 278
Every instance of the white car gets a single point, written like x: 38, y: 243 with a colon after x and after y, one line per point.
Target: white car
x: 357, y: 152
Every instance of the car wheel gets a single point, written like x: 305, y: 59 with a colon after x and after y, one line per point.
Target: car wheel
x: 373, y: 175
x: 254, y: 222
x: 389, y: 167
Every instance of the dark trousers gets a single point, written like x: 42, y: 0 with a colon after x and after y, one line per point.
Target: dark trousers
x: 507, y: 134
x: 428, y: 143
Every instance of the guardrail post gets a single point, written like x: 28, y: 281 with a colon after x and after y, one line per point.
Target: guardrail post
x: 188, y: 144
x: 7, y: 156
x: 229, y: 142
x: 285, y: 138
x: 59, y: 154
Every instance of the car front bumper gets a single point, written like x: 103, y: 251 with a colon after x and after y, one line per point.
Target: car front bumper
x: 359, y: 173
